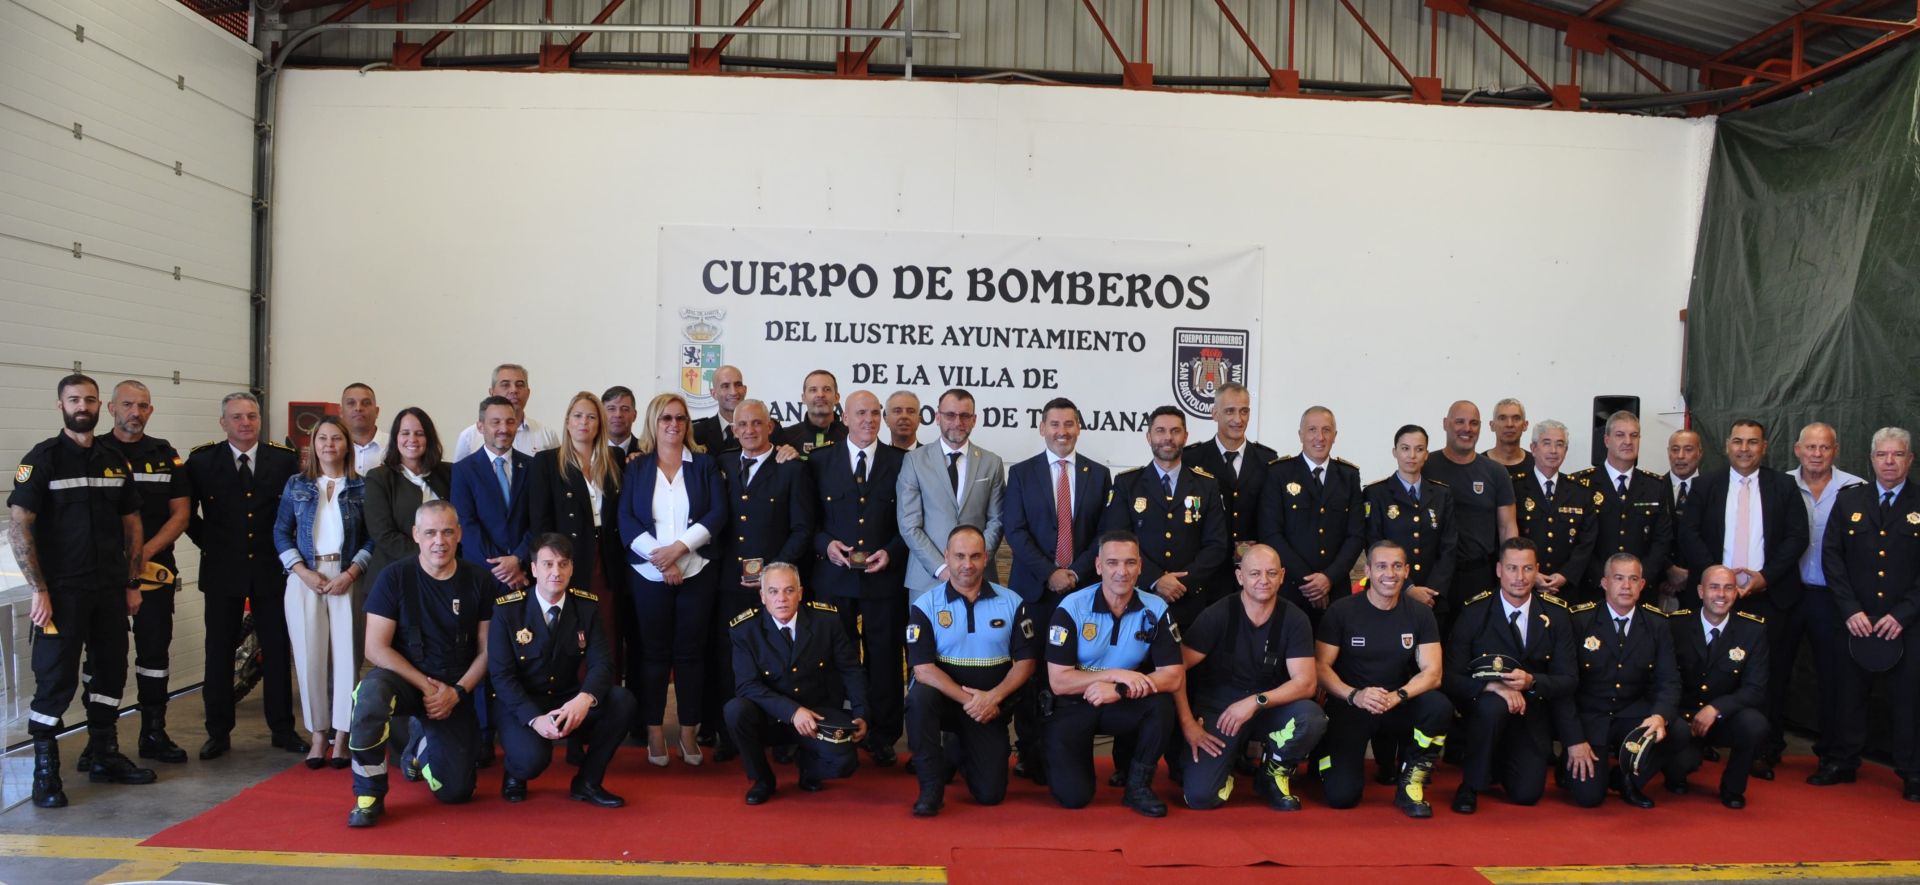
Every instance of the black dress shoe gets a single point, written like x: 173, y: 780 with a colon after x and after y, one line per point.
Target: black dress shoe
x: 291, y: 743
x: 1465, y: 800
x: 366, y: 811
x: 214, y: 748
x: 315, y: 763
x: 1678, y: 785
x: 1732, y: 801
x: 513, y: 789
x: 1828, y: 775
x: 157, y: 746
x: 1636, y: 798
x: 759, y: 793
x: 1761, y: 769
x: 812, y: 784
x: 339, y: 762
x: 593, y: 794
x: 884, y: 755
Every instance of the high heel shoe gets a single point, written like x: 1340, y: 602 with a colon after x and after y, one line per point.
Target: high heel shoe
x: 342, y: 756
x: 317, y: 758
x: 691, y: 757
x: 660, y: 760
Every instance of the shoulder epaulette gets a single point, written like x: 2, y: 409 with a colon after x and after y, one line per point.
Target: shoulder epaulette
x: 280, y: 445
x: 1752, y: 617
x: 1581, y: 480
x: 1681, y: 613
x: 737, y: 619
x: 1555, y: 600
x: 1346, y: 462
x: 822, y: 606
x: 1853, y: 485
x: 1584, y: 472
x: 1128, y: 472
x: 583, y: 594
x: 205, y: 445
x: 510, y: 598
x: 1484, y: 594
x: 1288, y: 457
x: 1582, y: 607
x: 1435, y: 482
x: 1653, y: 608
x: 1200, y: 470
x: 1261, y: 447
x: 1648, y: 473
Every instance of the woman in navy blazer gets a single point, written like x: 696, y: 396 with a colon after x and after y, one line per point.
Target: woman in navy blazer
x: 673, y: 506
x: 575, y: 491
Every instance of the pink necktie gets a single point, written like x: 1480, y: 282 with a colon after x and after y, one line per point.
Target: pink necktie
x: 1063, y: 519
x: 1743, y: 523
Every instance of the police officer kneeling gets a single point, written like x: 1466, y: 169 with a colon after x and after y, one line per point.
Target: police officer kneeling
x: 1113, y: 662
x: 427, y: 620
x: 1722, y: 658
x: 1379, y: 659
x: 1508, y: 663
x: 1249, y: 658
x: 798, y: 680
x: 542, y: 693
x: 970, y: 644
x: 1627, y: 683
x: 74, y: 523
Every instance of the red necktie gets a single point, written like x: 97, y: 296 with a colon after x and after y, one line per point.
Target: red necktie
x: 1063, y: 518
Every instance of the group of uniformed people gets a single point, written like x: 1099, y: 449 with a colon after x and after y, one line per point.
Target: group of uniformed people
x: 1635, y: 621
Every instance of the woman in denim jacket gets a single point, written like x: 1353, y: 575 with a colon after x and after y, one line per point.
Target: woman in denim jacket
x: 321, y: 533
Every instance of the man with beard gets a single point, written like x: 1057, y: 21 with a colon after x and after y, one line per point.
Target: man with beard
x: 947, y: 485
x: 74, y: 524
x: 622, y: 410
x: 820, y: 392
x: 1482, y: 500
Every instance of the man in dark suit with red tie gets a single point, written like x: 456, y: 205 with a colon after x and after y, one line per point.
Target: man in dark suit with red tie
x: 862, y: 559
x: 1052, y: 513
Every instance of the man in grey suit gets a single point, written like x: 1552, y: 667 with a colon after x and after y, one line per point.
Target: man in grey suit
x: 945, y: 485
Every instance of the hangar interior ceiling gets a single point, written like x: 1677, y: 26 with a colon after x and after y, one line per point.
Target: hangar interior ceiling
x: 1693, y: 57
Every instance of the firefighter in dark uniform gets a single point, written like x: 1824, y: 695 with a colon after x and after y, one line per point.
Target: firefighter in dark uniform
x: 1627, y: 679
x: 1175, y: 511
x: 1509, y: 662
x: 552, y: 677
x: 1240, y: 465
x: 1113, y: 660
x: 1311, y: 511
x: 236, y: 485
x: 74, y: 524
x: 1722, y: 658
x: 1556, y: 511
x: 1417, y: 514
x: 771, y: 506
x: 820, y: 426
x: 800, y: 683
x: 1871, y: 555
x: 160, y: 476
x: 971, y: 645
x: 1636, y: 508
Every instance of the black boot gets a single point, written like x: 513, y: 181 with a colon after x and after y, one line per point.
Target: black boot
x: 1139, y: 796
x: 48, y: 792
x: 933, y: 788
x: 1415, y: 773
x: 109, y: 767
x: 154, y: 743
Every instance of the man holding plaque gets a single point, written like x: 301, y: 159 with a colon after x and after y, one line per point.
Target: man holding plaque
x: 862, y: 566
x: 1508, y: 661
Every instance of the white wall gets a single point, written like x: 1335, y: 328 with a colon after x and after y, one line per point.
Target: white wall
x: 432, y: 224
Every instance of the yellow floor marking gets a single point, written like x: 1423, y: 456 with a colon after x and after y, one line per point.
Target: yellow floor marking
x: 106, y: 848
x: 1704, y: 872
x: 136, y: 871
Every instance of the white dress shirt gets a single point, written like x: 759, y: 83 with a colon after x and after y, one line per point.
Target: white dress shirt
x: 369, y: 456
x: 533, y: 438
x: 672, y: 518
x: 1525, y: 609
x: 1239, y: 459
x: 1707, y: 627
x: 253, y: 456
x: 1053, y: 479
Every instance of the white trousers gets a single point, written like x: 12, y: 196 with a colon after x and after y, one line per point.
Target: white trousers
x: 321, y: 629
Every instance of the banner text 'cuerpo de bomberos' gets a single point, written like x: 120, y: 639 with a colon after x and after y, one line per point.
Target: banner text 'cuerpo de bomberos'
x: 1119, y: 327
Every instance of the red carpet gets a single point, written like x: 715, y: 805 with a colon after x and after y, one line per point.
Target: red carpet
x: 682, y: 814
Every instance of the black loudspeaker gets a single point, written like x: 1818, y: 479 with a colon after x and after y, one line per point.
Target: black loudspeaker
x: 1603, y: 407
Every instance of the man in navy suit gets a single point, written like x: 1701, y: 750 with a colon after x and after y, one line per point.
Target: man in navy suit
x: 489, y: 489
x: 1052, y: 554
x: 863, y: 560
x: 1753, y: 520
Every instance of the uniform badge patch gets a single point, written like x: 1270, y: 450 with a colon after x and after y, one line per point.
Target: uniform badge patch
x: 913, y: 633
x: 1139, y: 505
x: 1293, y: 488
x: 1479, y: 487
x: 1736, y: 654
x: 997, y: 622
x: 24, y: 473
x: 1855, y: 517
x: 1393, y: 511
x: 1357, y: 641
x: 1406, y: 640
x: 1056, y: 635
x: 1173, y: 630
x: 1530, y: 505
x: 456, y: 607
x: 1592, y: 643
x: 583, y: 640
x: 524, y: 637
x: 1089, y: 630
x: 1026, y: 628
x: 1599, y: 499
x: 1913, y: 517
x: 946, y: 619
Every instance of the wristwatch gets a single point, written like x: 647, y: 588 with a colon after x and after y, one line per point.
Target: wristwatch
x: 1260, y: 699
x: 1401, y: 692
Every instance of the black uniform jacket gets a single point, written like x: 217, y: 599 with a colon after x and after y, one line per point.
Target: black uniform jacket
x: 821, y: 670
x: 535, y: 670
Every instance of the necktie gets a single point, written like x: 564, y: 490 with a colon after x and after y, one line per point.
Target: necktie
x: 1233, y: 465
x: 1414, y: 493
x: 1682, y: 500
x: 953, y: 471
x: 1519, y: 639
x: 1713, y: 635
x: 1063, y: 519
x: 500, y: 472
x: 1318, y: 481
x: 553, y: 618
x: 1620, y: 629
x: 1886, y: 505
x: 860, y: 467
x: 1166, y: 485
x: 746, y: 470
x: 1742, y: 522
x: 1549, y: 489
x: 1623, y: 485
x: 246, y: 473
x: 787, y: 631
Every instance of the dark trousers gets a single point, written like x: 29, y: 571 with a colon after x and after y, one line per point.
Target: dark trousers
x: 674, y: 634
x: 1591, y: 792
x: 1290, y: 731
x: 728, y: 603
x: 1147, y: 721
x: 152, y: 636
x: 528, y: 754
x: 1904, y: 684
x: 1785, y: 628
x: 93, y: 621
x: 983, y: 747
x: 447, y: 747
x: 1741, y: 733
x: 753, y: 731
x: 879, y: 627
x: 1519, y: 747
x: 1342, y: 766
x: 1029, y: 723
x: 224, y: 614
x: 1827, y: 633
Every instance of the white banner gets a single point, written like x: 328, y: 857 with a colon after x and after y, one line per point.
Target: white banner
x: 1118, y: 327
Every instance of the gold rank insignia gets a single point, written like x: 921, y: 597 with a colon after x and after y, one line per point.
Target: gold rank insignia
x: 1139, y: 505
x: 1599, y: 499
x: 1913, y: 517
x: 946, y: 618
x: 1293, y: 488
x: 1855, y: 517
x: 1592, y: 643
x: 1089, y: 630
x: 524, y: 637
x: 1393, y: 511
x: 1736, y: 654
x: 1530, y: 505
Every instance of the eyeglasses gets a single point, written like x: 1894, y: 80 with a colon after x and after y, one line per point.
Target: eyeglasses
x: 672, y: 419
x: 957, y: 416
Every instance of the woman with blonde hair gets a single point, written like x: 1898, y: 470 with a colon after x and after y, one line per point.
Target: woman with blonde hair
x: 574, y: 490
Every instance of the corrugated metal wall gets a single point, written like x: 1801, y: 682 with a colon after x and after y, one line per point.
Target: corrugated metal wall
x: 1186, y: 38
